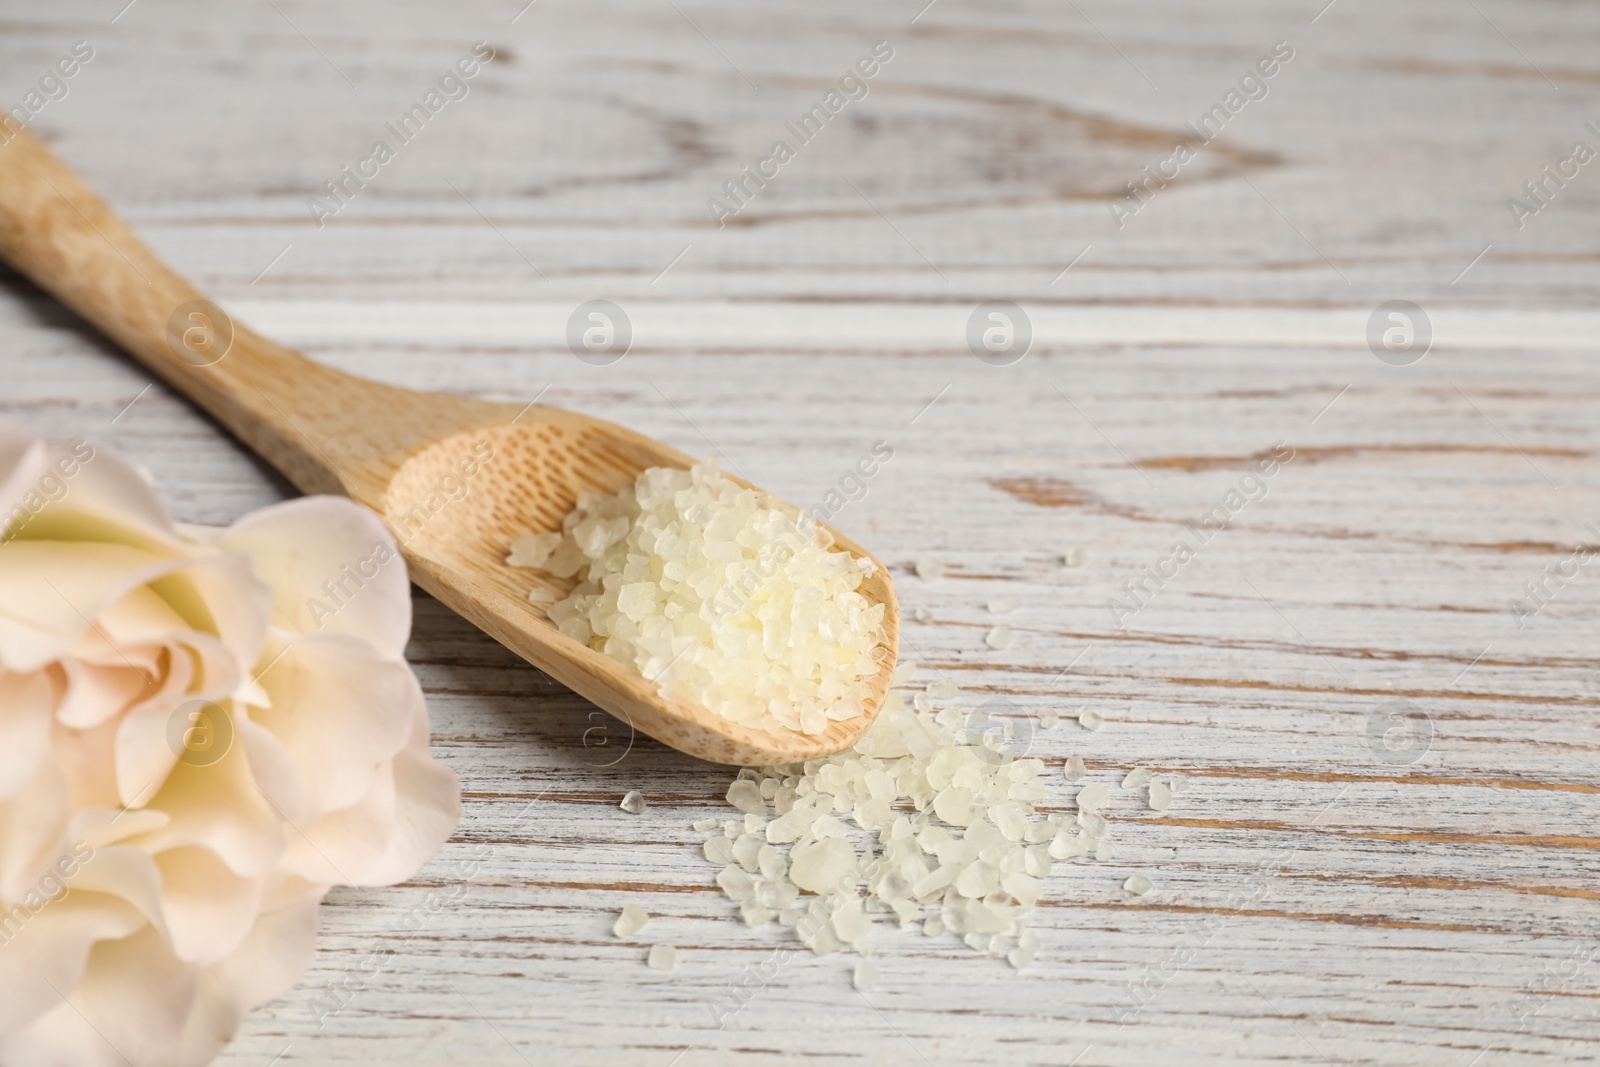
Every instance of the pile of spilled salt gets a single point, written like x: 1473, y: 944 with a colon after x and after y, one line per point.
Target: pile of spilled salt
x: 723, y: 599
x: 948, y: 830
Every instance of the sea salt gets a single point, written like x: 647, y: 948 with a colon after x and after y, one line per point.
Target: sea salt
x: 1092, y: 797
x: 662, y: 957
x: 745, y: 795
x: 633, y: 802
x: 721, y: 597
x: 1137, y: 884
x: 533, y: 550
x: 918, y: 822
x: 1090, y: 719
x: 999, y: 637
x: 1002, y: 605
x: 631, y: 921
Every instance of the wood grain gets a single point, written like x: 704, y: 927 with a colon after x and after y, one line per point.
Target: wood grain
x: 1313, y: 901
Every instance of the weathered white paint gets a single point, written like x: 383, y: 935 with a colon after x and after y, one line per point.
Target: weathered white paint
x: 1347, y: 909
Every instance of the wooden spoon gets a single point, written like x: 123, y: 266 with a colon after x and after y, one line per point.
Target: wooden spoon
x: 408, y: 456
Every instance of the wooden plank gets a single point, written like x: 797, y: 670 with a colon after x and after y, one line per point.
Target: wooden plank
x: 1314, y: 899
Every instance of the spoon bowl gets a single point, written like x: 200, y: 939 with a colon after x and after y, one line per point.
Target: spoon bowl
x: 455, y: 480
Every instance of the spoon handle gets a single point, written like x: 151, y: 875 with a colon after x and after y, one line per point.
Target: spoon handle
x: 295, y: 413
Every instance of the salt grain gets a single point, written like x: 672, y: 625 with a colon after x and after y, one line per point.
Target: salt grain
x: 1090, y: 719
x: 1137, y: 884
x: 850, y: 922
x: 1137, y: 777
x: 999, y: 637
x: 736, y: 884
x: 1160, y: 796
x: 631, y: 921
x: 533, y: 550
x: 1076, y: 556
x: 929, y: 570
x: 1002, y: 605
x: 662, y: 957
x: 1092, y: 798
x: 866, y: 975
x: 922, y: 615
x: 920, y: 822
x: 633, y: 802
x: 1048, y: 719
x: 745, y: 796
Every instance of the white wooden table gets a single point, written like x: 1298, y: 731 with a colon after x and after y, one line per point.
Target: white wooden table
x: 1318, y: 897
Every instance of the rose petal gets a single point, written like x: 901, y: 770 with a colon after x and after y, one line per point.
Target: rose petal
x: 24, y: 727
x: 33, y: 829
x: 93, y: 828
x: 127, y: 873
x: 86, y: 758
x: 271, y: 767
x: 129, y: 1007
x: 216, y: 807
x: 223, y: 596
x: 340, y: 847
x: 340, y: 710
x: 333, y: 568
x: 99, y: 493
x: 51, y: 591
x: 427, y: 810
x: 265, y: 966
x: 209, y: 909
x: 46, y: 951
x: 95, y: 694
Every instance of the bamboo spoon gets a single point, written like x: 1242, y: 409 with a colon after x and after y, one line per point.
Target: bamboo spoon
x: 399, y: 452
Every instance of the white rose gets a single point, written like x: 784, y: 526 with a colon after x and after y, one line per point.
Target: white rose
x: 198, y: 737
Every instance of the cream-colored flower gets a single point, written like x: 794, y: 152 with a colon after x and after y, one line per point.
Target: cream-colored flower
x: 201, y: 731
